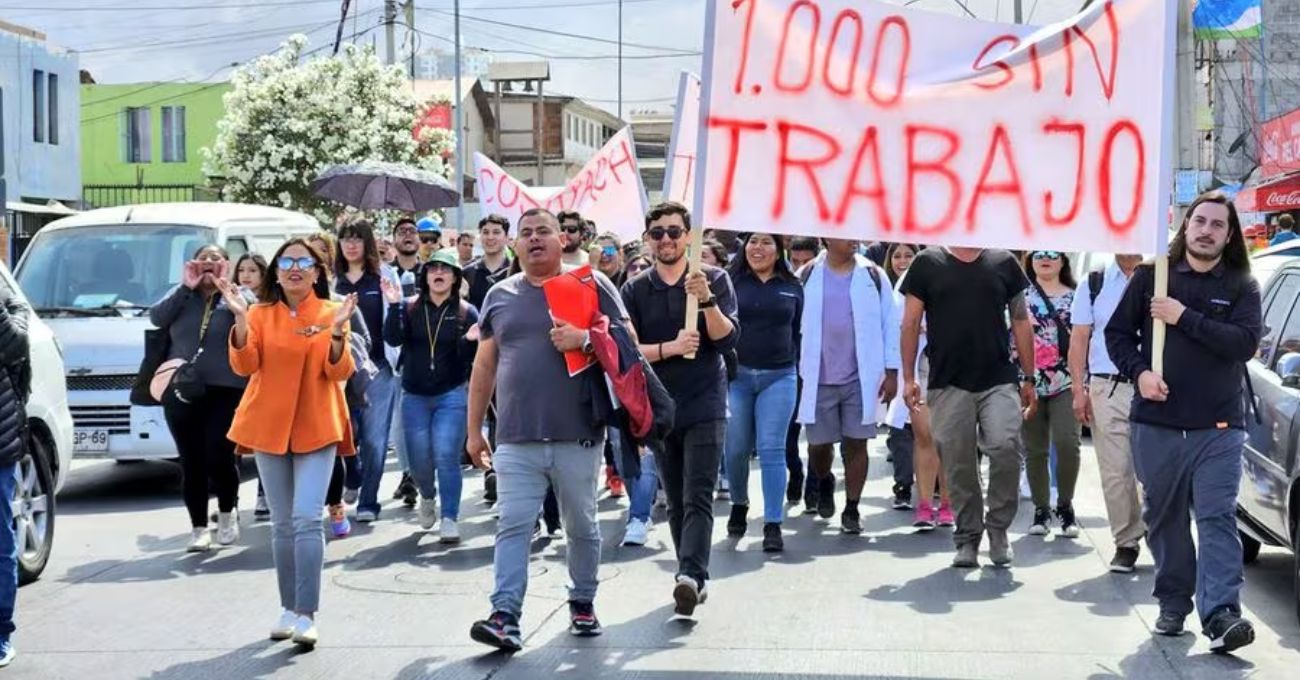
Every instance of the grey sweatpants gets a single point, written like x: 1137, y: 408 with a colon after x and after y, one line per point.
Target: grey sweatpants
x: 523, y: 473
x: 1196, y: 472
x: 965, y: 423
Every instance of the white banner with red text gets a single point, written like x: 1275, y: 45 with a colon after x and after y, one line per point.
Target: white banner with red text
x: 607, y: 191
x: 679, y: 172
x: 865, y: 120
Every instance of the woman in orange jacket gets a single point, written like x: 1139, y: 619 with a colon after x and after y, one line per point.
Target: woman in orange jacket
x: 294, y: 349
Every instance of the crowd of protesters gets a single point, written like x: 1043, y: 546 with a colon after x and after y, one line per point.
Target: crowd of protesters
x: 350, y: 345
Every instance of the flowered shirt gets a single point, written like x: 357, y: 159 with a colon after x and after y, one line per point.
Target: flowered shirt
x: 1053, y: 374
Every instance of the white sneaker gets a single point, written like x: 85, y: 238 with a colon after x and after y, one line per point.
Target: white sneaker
x: 200, y: 540
x: 366, y: 516
x: 305, y: 633
x: 227, y: 528
x: 637, y: 532
x: 450, y: 533
x: 428, y: 513
x: 283, y: 629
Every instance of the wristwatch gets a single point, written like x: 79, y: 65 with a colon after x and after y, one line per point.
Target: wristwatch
x: 713, y: 302
x: 586, y: 344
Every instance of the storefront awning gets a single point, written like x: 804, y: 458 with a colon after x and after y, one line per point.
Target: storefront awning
x: 1279, y: 195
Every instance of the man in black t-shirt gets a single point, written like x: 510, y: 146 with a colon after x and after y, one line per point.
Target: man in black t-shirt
x: 964, y: 295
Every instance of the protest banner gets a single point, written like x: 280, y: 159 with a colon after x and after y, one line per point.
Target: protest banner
x: 608, y: 190
x: 679, y: 172
x: 866, y: 120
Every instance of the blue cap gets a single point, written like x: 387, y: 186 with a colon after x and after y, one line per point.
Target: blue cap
x: 428, y: 224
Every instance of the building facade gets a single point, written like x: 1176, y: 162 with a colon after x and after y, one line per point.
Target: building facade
x: 141, y: 141
x: 39, y: 109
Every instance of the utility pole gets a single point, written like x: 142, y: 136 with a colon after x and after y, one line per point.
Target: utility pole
x: 1020, y: 12
x: 620, y: 59
x: 390, y: 23
x: 458, y: 102
x: 1188, y: 155
x: 409, y: 10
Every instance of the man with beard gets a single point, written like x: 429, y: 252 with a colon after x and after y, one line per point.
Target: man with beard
x: 1189, y: 422
x: 406, y: 241
x: 575, y: 238
x: 545, y: 434
x: 465, y: 249
x: 691, y: 453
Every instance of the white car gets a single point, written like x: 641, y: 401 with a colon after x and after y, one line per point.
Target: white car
x: 1265, y: 262
x: 49, y: 455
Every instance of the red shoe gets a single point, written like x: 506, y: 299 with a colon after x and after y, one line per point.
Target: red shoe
x: 613, y: 482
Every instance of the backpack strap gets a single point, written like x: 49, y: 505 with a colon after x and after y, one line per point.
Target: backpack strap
x: 1096, y: 280
x: 806, y: 273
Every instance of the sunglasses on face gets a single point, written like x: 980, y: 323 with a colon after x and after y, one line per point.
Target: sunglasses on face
x: 637, y: 269
x: 429, y: 239
x: 674, y: 233
x: 1047, y: 255
x: 437, y: 267
x: 608, y: 251
x: 285, y: 263
x: 572, y: 229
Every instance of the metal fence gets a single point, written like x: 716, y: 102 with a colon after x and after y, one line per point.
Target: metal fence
x: 109, y: 195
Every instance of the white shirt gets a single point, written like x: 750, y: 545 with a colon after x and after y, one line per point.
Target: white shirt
x: 1097, y: 315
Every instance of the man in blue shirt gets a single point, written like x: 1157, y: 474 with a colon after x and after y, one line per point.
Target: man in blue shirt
x: 1103, y: 400
x: 1285, y: 230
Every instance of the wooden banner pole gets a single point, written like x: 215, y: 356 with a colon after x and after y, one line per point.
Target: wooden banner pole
x: 693, y: 265
x: 1158, y: 326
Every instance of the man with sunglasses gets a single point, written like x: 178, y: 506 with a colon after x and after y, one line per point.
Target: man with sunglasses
x: 690, y: 455
x: 430, y: 237
x: 575, y: 237
x: 964, y: 295
x: 607, y: 257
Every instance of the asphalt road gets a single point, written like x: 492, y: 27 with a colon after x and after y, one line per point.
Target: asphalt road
x: 121, y: 599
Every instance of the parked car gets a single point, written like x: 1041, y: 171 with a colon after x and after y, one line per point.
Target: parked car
x: 93, y: 277
x: 1268, y: 503
x: 1265, y: 262
x: 49, y: 452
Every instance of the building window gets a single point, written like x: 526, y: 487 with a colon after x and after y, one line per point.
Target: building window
x: 53, y: 108
x: 136, y: 135
x: 38, y: 106
x: 173, y: 134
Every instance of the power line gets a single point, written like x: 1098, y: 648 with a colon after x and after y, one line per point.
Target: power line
x: 210, y: 38
x: 46, y: 9
x: 564, y: 34
x: 587, y: 3
x: 556, y: 57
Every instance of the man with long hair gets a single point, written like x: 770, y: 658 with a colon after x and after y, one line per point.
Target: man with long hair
x: 1188, y: 422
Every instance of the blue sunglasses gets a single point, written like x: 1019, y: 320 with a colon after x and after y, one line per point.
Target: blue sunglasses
x: 1047, y: 255
x: 285, y: 263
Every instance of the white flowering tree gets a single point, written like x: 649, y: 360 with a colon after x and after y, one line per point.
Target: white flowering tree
x: 288, y: 118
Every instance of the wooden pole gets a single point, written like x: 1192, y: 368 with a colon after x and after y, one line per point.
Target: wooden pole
x: 1158, y: 326
x: 692, y: 266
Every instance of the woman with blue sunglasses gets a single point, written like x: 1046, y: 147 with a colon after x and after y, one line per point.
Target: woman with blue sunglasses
x: 1053, y: 424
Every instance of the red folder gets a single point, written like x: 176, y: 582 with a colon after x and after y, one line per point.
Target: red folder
x: 573, y: 299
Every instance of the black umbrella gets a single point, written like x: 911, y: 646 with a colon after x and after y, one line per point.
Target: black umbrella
x: 375, y: 185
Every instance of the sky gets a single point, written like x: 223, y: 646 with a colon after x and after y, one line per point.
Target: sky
x: 129, y: 41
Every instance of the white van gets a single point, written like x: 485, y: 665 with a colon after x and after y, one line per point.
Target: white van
x: 92, y: 277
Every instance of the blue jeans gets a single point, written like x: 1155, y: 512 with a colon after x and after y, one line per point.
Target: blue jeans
x: 8, y: 550
x: 761, y: 403
x: 640, y: 490
x: 373, y: 423
x: 1186, y: 474
x: 295, y: 492
x: 434, y: 428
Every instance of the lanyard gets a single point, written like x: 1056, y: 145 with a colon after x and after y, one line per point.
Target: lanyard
x: 433, y: 334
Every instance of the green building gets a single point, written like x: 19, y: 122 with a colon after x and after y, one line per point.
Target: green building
x: 140, y: 141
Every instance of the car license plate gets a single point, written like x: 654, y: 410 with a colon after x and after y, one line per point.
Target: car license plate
x: 86, y: 440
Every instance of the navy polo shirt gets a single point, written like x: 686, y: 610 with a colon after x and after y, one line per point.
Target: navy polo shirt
x: 770, y: 313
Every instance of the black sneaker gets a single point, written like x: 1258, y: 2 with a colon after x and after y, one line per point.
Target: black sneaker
x: 736, y: 523
x: 1069, y: 526
x: 902, y: 497
x: 1228, y: 631
x: 850, y: 522
x: 1125, y: 560
x: 490, y: 488
x: 772, y: 539
x: 405, y: 483
x: 582, y: 620
x: 794, y: 487
x: 1169, y: 624
x: 811, y: 496
x: 500, y: 630
x: 826, y: 497
x: 1042, y: 520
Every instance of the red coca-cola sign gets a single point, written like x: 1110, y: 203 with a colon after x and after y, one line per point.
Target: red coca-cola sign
x: 1279, y: 145
x: 1275, y: 201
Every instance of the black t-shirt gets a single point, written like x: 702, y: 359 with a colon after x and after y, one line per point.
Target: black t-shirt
x: 481, y: 279
x: 967, y: 337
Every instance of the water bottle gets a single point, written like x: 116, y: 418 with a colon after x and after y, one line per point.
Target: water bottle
x: 408, y: 284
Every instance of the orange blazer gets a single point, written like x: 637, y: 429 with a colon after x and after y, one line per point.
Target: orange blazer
x: 294, y: 402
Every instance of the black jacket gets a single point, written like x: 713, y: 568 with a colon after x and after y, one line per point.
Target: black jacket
x: 15, y: 379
